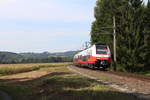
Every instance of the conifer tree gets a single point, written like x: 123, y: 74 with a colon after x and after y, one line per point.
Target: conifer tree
x: 147, y: 35
x: 133, y: 36
x: 136, y: 46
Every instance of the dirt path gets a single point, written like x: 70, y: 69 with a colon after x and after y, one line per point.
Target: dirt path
x: 123, y: 83
x: 131, y: 75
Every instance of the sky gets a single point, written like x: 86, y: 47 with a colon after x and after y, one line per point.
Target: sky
x: 45, y: 25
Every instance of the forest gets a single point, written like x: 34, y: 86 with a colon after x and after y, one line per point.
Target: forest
x: 45, y: 57
x: 132, y: 18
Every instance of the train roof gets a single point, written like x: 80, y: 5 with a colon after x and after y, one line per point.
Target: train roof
x: 99, y: 43
x: 96, y: 44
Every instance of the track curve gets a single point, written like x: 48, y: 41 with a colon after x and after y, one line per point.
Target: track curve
x: 125, y: 82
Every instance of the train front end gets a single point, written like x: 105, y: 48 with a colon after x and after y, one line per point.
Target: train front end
x: 102, y: 56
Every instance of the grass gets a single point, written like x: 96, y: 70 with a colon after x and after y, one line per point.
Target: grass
x: 17, y: 91
x: 8, y: 69
x: 121, y: 69
x: 147, y: 74
x: 80, y: 88
x: 1, y: 97
x: 61, y: 84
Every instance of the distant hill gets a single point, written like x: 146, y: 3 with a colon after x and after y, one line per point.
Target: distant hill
x: 64, y: 54
x: 47, y: 54
x: 9, y: 57
x: 35, y: 55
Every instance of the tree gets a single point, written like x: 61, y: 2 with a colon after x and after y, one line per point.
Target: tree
x: 135, y: 45
x: 147, y: 35
x: 132, y: 42
x: 104, y: 12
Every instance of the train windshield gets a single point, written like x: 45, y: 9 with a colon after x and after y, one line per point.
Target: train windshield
x: 101, y: 49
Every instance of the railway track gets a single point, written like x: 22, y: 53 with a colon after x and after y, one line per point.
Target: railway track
x: 136, y: 84
x: 122, y: 74
x: 131, y: 75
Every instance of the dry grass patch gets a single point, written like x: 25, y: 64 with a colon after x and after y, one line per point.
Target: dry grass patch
x: 8, y: 69
x: 61, y: 84
x: 75, y: 87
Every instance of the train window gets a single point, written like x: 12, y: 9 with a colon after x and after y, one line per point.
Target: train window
x: 101, y: 49
x: 101, y: 52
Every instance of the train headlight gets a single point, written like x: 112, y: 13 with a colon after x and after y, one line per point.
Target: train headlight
x: 103, y: 62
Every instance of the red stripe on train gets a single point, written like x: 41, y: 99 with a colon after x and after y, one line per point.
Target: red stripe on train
x: 92, y: 59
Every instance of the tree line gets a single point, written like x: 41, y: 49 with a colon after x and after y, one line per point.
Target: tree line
x: 132, y: 31
x: 36, y: 60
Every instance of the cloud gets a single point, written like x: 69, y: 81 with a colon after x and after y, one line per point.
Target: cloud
x: 44, y: 25
x: 55, y: 40
x: 6, y: 2
x: 43, y: 10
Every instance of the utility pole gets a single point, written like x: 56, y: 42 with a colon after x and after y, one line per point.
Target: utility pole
x: 86, y: 45
x: 114, y: 36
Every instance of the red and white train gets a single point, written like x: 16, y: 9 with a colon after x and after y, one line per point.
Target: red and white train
x: 97, y: 56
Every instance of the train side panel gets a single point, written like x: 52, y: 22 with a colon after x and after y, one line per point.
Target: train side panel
x: 97, y: 56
